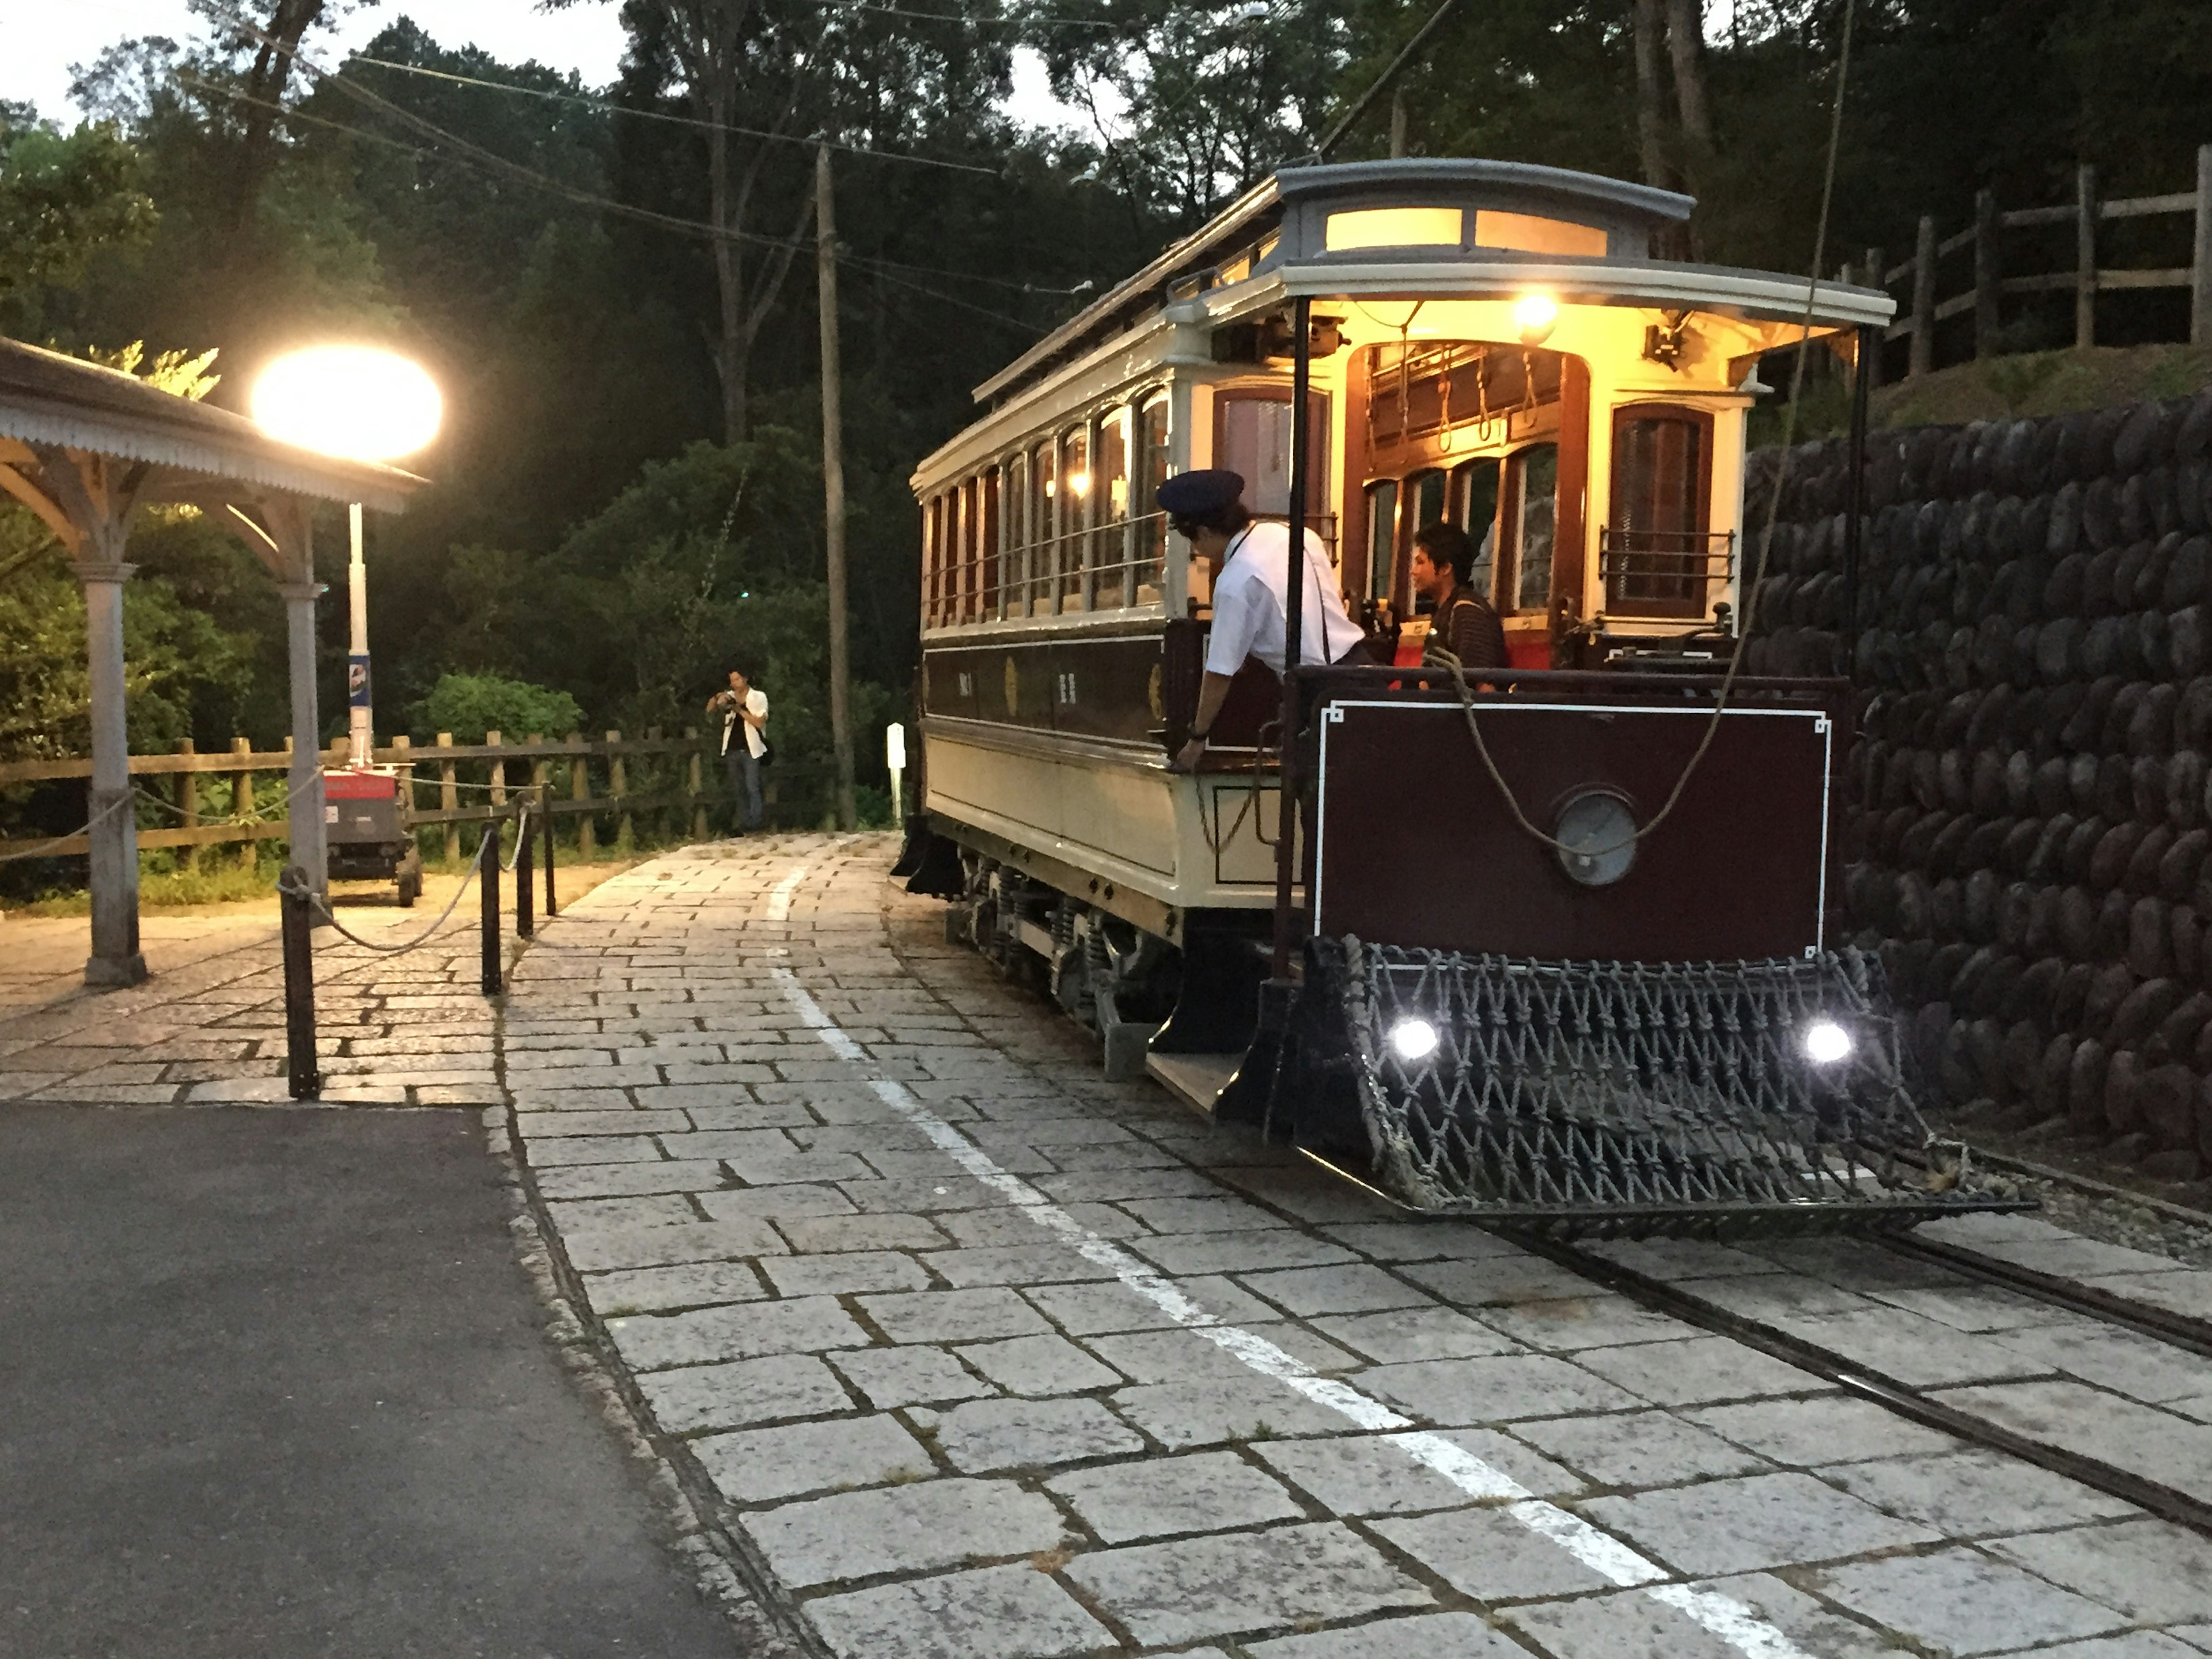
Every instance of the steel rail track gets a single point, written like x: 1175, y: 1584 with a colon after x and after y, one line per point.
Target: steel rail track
x: 2178, y: 1330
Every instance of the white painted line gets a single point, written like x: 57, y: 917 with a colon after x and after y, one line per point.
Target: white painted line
x: 1725, y: 1617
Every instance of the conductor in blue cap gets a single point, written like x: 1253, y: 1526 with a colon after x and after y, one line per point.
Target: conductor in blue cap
x: 1249, y: 561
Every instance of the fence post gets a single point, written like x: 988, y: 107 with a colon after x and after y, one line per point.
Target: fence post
x: 498, y: 773
x: 488, y: 863
x: 405, y: 788
x: 654, y: 771
x: 2085, y: 257
x: 525, y: 882
x: 618, y: 787
x: 693, y: 782
x: 580, y: 788
x: 1923, y: 298
x: 2200, y: 264
x: 1987, y: 274
x: 1877, y: 266
x: 304, y: 1077
x: 449, y: 798
x: 241, y: 803
x: 188, y: 805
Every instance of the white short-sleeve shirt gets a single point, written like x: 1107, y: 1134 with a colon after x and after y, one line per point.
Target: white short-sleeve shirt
x: 756, y: 700
x: 1248, y: 610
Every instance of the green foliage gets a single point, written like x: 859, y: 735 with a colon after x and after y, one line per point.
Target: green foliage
x: 64, y: 198
x: 470, y: 705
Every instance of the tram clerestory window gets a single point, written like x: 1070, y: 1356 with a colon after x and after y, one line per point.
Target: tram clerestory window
x: 1532, y: 483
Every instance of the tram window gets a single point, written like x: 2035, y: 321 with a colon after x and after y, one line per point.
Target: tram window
x: 1658, y: 562
x: 1044, y: 472
x: 1252, y: 438
x: 1150, y: 456
x: 1426, y: 503
x: 932, y: 559
x: 1109, y: 552
x: 1013, y: 563
x: 1075, y: 516
x: 1381, y: 537
x: 1532, y: 481
x: 964, y: 553
x: 986, y: 540
x: 1474, y: 509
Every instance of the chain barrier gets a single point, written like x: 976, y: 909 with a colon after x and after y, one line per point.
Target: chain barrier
x: 288, y: 887
x: 41, y: 849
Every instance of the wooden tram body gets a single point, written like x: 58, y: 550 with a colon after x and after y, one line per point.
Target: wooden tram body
x: 1491, y: 343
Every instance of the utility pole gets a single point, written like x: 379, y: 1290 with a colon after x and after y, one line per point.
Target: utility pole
x: 833, y: 486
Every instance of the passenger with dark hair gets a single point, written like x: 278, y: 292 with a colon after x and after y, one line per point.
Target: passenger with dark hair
x: 744, y: 709
x: 1463, y: 624
x: 1250, y: 560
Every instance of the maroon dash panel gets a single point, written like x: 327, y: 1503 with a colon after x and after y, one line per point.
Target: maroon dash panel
x: 1417, y: 848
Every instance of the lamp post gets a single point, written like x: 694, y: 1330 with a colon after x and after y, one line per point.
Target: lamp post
x: 365, y: 404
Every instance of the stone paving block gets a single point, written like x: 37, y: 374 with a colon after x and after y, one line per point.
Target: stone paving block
x: 622, y: 1180
x: 1241, y: 1252
x: 983, y: 1229
x: 1495, y: 1280
x: 1639, y: 1449
x: 1572, y: 1324
x: 928, y: 1162
x: 2141, y: 1367
x: 1960, y: 1601
x: 549, y: 1126
x: 1208, y: 1413
x: 657, y: 1341
x: 1500, y: 1389
x: 1131, y: 1157
x: 1748, y: 1524
x: 592, y: 1149
x: 1374, y: 1474
x: 1175, y: 1356
x: 911, y: 1529
x: 971, y: 1316
x: 2151, y: 1570
x: 1077, y: 1186
x: 2143, y: 1439
x: 743, y: 1393
x: 660, y: 1290
x: 844, y: 1273
x: 1039, y: 1365
x: 1419, y: 1636
x: 814, y: 1235
x: 596, y: 1249
x: 1041, y: 1263
x: 1219, y: 1214
x: 1309, y: 1195
x: 1630, y: 1625
x: 1979, y: 1308
x: 1920, y: 1353
x: 2188, y: 1292
x: 1824, y: 1429
x: 711, y: 1110
x: 755, y: 1466
x: 777, y: 1203
x: 2131, y: 1645
x: 1030, y: 1128
x: 1440, y: 1240
x: 622, y: 1214
x: 1097, y: 1310
x: 1421, y: 1333
x: 984, y: 1436
x: 1158, y: 1497
x: 908, y: 1377
x: 1487, y: 1554
x: 998, y: 1612
x: 1974, y: 1493
x: 1354, y: 1287
x: 913, y: 1195
x: 1254, y: 1581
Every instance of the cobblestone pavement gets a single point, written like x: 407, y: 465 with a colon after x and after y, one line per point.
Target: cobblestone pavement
x: 982, y: 1355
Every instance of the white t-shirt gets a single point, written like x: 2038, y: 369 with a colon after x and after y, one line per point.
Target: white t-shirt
x: 756, y: 700
x: 1248, y: 604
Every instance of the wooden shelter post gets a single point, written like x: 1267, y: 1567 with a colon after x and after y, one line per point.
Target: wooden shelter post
x: 115, y: 958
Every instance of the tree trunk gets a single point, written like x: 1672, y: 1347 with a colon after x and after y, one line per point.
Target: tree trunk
x: 266, y: 82
x: 1651, y: 30
x: 1685, y: 41
x: 732, y: 348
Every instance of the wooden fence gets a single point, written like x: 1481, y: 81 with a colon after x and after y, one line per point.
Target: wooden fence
x: 673, y: 786
x: 2085, y: 279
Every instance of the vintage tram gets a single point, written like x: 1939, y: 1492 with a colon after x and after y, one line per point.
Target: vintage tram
x: 1555, y: 946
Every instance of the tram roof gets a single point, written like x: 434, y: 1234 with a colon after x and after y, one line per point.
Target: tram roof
x: 1341, y: 228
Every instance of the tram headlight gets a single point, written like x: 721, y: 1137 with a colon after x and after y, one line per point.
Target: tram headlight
x: 1412, y: 1039
x: 1827, y: 1043
x: 1536, y: 315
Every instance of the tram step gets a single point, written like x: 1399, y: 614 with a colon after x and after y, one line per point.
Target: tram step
x: 1197, y: 1081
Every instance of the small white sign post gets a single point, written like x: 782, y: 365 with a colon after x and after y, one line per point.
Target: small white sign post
x: 895, y: 757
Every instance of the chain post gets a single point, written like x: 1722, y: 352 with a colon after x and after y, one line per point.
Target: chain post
x: 525, y: 878
x: 297, y: 902
x: 545, y: 811
x: 488, y: 868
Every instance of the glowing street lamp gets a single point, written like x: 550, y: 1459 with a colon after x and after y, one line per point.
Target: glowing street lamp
x: 365, y: 404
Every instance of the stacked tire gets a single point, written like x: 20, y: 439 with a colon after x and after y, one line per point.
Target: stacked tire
x: 2031, y: 814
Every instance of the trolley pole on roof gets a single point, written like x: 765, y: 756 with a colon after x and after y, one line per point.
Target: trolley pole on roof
x: 1294, y: 607
x: 833, y: 484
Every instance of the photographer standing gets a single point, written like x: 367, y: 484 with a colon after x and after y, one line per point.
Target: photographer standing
x: 743, y: 708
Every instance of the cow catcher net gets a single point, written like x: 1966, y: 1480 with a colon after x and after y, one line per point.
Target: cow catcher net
x: 1619, y: 1098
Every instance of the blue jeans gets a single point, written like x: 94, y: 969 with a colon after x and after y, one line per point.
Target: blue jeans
x: 747, y: 811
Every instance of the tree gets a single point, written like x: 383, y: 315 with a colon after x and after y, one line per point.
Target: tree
x: 65, y: 197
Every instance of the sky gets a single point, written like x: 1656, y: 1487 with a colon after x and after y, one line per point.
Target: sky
x: 39, y: 39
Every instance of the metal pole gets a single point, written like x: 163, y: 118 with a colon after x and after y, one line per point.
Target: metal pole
x: 1863, y: 373
x: 113, y: 841
x: 525, y: 886
x: 487, y: 867
x: 833, y: 487
x: 1383, y: 82
x: 545, y: 811
x: 304, y: 1077
x: 361, y: 716
x: 310, y: 845
x: 1294, y: 607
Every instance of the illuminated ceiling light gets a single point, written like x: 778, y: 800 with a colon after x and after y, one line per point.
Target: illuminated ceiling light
x: 1827, y: 1043
x: 1414, y: 1039
x: 1079, y: 483
x: 355, y: 402
x: 1534, y: 315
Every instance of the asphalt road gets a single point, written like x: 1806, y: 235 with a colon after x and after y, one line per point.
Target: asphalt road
x: 272, y: 1382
